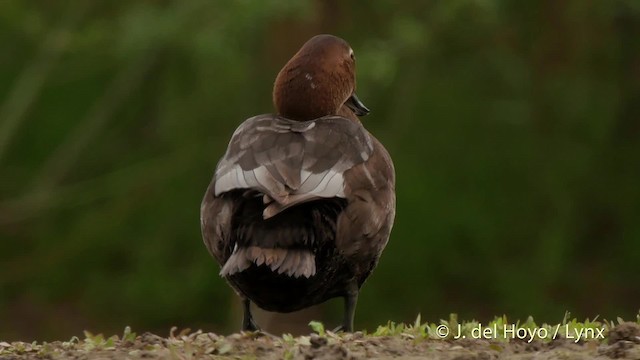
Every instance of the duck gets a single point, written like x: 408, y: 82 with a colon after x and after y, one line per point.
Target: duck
x: 302, y: 203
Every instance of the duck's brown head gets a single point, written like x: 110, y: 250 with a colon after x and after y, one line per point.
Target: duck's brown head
x: 318, y: 81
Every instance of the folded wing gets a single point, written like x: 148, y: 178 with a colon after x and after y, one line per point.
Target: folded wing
x: 291, y: 162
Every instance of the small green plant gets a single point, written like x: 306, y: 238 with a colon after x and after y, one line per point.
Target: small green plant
x: 288, y: 339
x: 128, y: 335
x: 98, y: 341
x: 318, y: 327
x: 391, y: 329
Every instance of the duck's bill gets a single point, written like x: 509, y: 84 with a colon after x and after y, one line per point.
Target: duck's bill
x: 356, y: 105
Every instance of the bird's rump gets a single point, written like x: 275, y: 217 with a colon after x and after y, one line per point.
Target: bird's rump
x: 287, y: 243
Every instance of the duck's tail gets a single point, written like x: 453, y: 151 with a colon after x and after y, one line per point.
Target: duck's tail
x: 291, y: 262
x: 288, y: 242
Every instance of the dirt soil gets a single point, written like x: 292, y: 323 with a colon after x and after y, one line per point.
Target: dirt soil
x: 623, y: 342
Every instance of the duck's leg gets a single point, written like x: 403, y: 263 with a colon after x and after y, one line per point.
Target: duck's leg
x: 350, y: 302
x: 247, y: 319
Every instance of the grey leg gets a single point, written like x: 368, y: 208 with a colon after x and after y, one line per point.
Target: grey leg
x: 350, y: 302
x: 247, y: 319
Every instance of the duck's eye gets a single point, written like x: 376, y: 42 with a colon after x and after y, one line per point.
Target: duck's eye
x: 351, y: 55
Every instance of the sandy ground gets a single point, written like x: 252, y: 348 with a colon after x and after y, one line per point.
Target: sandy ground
x: 623, y: 342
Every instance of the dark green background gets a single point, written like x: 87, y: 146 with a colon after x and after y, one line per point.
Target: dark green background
x: 514, y: 126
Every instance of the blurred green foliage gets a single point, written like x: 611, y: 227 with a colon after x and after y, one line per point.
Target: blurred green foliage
x: 514, y: 126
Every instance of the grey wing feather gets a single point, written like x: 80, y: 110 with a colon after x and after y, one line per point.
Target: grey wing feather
x: 292, y: 161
